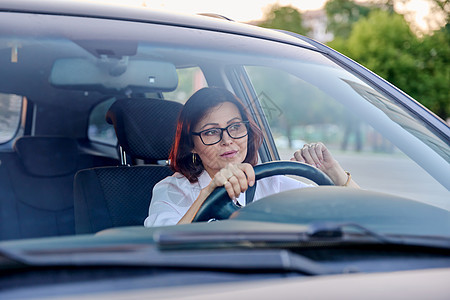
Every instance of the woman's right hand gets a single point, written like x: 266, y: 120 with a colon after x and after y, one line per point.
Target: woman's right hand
x: 236, y: 178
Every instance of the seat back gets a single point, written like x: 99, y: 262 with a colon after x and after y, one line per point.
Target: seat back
x: 120, y: 196
x: 36, y: 184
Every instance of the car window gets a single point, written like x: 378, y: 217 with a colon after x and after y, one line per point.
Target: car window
x: 300, y: 112
x: 301, y: 83
x: 301, y: 95
x: 190, y: 80
x: 99, y: 130
x: 10, y: 110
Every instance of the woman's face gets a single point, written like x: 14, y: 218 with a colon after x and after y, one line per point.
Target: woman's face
x: 228, y: 150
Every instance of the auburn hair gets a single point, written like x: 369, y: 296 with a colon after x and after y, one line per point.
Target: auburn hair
x: 193, y: 111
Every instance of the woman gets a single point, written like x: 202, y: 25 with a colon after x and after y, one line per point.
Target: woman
x: 216, y: 144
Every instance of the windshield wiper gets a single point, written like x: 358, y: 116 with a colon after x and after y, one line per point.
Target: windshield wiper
x: 258, y: 251
x: 320, y: 234
x: 317, y: 234
x: 336, y: 230
x: 148, y: 256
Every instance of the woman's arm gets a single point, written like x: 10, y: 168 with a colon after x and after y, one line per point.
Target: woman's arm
x: 192, y: 211
x: 317, y: 155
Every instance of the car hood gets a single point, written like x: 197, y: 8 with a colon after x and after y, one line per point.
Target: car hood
x: 380, y: 212
x: 428, y: 284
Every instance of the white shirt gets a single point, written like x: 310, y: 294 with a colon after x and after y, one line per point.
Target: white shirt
x: 174, y: 195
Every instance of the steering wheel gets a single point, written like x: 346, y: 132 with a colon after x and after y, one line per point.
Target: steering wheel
x: 219, y: 206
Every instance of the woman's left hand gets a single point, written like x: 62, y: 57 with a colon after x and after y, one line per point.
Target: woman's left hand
x: 317, y: 155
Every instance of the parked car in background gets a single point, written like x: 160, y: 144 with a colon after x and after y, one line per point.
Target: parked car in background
x: 89, y: 96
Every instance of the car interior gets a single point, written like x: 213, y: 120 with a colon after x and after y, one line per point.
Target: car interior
x: 38, y: 176
x: 88, y: 116
x: 59, y: 180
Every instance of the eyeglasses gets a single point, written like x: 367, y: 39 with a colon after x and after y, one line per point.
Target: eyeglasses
x: 212, y: 136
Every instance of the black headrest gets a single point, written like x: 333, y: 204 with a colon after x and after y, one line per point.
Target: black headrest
x: 47, y: 156
x: 144, y: 127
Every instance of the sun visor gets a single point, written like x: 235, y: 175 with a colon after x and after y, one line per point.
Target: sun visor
x: 114, y: 74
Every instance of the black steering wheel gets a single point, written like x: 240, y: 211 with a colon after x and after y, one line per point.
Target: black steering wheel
x: 219, y: 206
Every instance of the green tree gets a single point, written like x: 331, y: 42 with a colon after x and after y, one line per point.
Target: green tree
x: 384, y: 43
x: 285, y: 18
x: 342, y: 14
x: 433, y: 71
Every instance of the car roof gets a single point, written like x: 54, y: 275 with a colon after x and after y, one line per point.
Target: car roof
x: 144, y: 14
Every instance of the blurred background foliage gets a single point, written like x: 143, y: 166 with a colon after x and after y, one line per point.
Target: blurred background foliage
x: 379, y: 38
x: 284, y: 17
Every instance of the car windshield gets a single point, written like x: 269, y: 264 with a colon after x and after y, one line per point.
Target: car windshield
x: 64, y: 73
x: 90, y: 98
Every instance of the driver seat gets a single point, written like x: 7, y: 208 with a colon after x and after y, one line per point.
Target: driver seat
x: 120, y: 196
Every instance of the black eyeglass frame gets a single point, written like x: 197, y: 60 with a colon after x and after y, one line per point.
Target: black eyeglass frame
x: 246, y: 123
